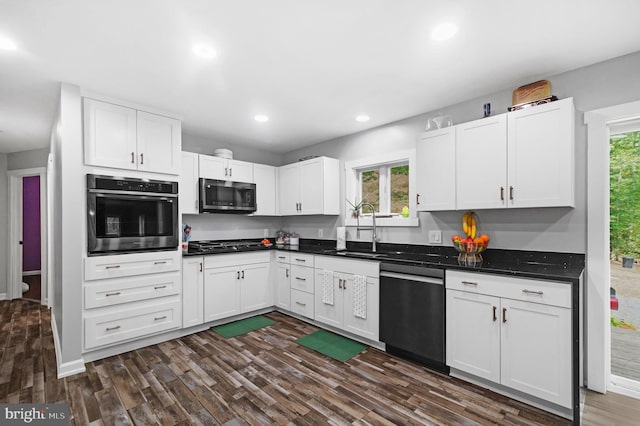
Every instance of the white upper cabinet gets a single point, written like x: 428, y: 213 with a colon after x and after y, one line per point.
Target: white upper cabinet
x: 188, y: 186
x: 309, y: 187
x: 481, y: 163
x: 436, y: 160
x: 223, y: 169
x: 541, y: 155
x: 265, y: 178
x: 125, y: 138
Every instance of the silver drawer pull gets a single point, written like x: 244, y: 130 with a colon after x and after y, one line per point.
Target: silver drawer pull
x: 113, y: 328
x: 301, y: 260
x: 301, y: 279
x: 116, y: 293
x: 160, y: 318
x: 112, y: 267
x: 301, y: 304
x: 532, y: 291
x: 281, y: 257
x: 160, y: 262
x: 158, y: 287
x: 469, y: 283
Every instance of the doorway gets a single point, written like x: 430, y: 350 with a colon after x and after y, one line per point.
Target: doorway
x: 27, y: 268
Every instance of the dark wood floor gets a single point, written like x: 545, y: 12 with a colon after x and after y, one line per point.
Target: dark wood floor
x: 262, y: 377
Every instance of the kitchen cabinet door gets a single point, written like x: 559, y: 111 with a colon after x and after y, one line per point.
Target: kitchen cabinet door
x: 481, y: 163
x: 213, y: 167
x: 221, y: 293
x: 255, y: 289
x: 189, y: 191
x: 541, y: 155
x: 265, y: 178
x: 473, y: 334
x: 436, y: 170
x: 192, y: 291
x: 367, y: 327
x: 536, y: 350
x: 159, y: 141
x: 240, y: 171
x: 109, y: 135
x: 283, y: 286
x: 312, y: 187
x: 288, y: 189
x: 330, y: 314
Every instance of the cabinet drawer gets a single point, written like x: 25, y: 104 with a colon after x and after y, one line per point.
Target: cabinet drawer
x: 302, y: 259
x: 530, y: 290
x: 302, y: 303
x: 126, y: 265
x: 302, y: 278
x: 113, y: 292
x: 136, y: 321
x: 236, y: 259
x: 282, y: 257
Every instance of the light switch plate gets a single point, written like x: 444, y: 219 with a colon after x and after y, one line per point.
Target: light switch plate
x: 266, y: 232
x: 320, y: 232
x: 435, y: 237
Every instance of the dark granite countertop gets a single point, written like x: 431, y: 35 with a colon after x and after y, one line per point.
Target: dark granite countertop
x: 518, y: 263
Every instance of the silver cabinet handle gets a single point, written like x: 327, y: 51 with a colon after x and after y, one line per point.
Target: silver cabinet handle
x: 112, y: 328
x: 237, y: 275
x: 287, y: 272
x: 112, y: 267
x: 301, y: 304
x: 141, y: 158
x: 300, y: 207
x: 344, y: 284
x: 243, y: 274
x: 533, y: 291
x: 230, y: 172
x: 300, y: 260
x: 133, y: 157
x: 158, y: 287
x: 340, y: 283
x: 200, y: 266
x: 495, y: 318
x: 301, y: 279
x: 511, y: 193
x: 504, y: 315
x: 160, y: 318
x: 502, y: 193
x: 226, y: 171
x: 281, y: 257
x: 469, y: 283
x: 117, y: 293
x: 160, y: 262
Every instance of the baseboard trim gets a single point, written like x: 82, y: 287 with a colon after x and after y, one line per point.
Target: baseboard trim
x: 68, y: 368
x: 3, y: 296
x: 624, y: 386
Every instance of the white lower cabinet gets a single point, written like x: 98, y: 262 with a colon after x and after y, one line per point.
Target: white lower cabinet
x: 282, y: 281
x: 236, y: 283
x: 192, y: 291
x: 511, y: 331
x: 351, y: 309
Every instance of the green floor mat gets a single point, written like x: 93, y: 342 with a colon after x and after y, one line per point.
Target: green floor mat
x: 237, y: 328
x: 332, y: 345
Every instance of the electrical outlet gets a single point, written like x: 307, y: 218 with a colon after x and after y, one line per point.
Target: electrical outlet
x: 320, y: 232
x: 266, y: 232
x: 435, y: 237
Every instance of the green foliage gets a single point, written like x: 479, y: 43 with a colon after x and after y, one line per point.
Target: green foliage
x: 400, y: 170
x: 624, y: 157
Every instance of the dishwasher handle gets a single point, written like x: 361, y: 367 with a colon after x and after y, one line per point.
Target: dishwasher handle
x: 426, y: 280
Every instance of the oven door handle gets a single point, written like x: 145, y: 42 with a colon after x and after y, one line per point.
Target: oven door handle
x: 417, y: 278
x: 130, y: 193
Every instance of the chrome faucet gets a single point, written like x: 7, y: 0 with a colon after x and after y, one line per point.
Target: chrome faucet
x: 373, y: 228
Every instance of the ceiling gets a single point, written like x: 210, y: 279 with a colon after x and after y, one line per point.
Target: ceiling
x: 311, y: 66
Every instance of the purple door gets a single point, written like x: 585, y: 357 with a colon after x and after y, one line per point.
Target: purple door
x: 31, y: 223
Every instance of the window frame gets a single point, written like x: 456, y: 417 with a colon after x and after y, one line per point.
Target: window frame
x: 353, y: 188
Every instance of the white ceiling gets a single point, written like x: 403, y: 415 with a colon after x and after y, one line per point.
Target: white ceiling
x: 311, y: 66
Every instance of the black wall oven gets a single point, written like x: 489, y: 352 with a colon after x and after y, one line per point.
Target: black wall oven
x: 129, y: 215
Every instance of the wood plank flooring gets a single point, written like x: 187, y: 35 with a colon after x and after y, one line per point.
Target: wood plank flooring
x: 262, y: 377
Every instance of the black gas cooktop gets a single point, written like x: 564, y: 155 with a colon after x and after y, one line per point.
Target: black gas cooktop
x: 206, y: 247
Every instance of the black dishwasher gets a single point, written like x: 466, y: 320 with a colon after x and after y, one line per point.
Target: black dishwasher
x: 412, y: 313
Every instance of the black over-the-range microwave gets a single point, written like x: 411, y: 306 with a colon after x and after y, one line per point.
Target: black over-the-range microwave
x: 221, y: 196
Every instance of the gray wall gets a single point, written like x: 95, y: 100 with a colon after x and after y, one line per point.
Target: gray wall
x: 4, y: 222
x: 28, y: 159
x: 553, y: 229
x: 201, y: 145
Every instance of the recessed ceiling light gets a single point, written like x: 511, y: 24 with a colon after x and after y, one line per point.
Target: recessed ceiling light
x: 362, y: 118
x: 444, y: 31
x: 261, y: 118
x: 204, y: 51
x: 7, y: 44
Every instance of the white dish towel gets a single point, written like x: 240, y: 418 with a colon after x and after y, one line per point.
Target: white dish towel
x: 360, y: 296
x: 327, y: 287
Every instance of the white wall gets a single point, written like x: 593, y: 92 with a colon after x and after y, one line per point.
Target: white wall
x: 27, y: 159
x: 553, y: 229
x: 202, y: 145
x: 4, y: 222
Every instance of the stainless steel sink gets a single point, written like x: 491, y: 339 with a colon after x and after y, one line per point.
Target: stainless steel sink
x: 359, y: 254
